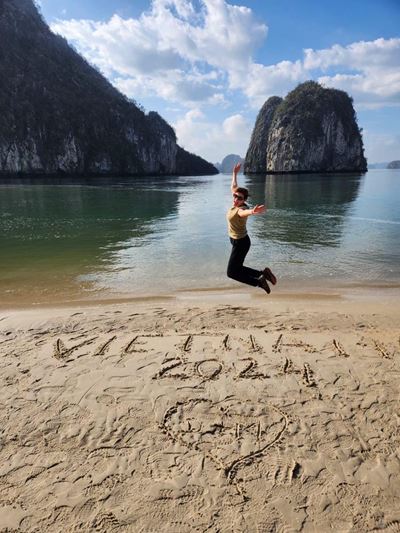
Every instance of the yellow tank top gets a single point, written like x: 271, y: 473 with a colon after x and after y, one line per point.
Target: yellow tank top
x: 236, y: 224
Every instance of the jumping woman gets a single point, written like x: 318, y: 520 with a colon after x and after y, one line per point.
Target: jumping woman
x: 237, y: 219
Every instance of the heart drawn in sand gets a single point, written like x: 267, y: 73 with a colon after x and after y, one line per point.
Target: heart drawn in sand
x: 232, y: 433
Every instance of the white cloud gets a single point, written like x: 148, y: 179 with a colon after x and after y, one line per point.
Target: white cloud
x: 173, y: 47
x: 175, y: 86
x: 234, y: 126
x: 193, y: 53
x: 373, y: 81
x: 363, y: 55
x: 213, y: 140
x: 265, y: 81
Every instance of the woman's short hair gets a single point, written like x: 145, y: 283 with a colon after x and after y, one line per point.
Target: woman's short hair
x: 244, y: 191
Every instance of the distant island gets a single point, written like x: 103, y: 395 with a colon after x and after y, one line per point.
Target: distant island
x: 391, y: 164
x: 313, y: 129
x: 377, y: 165
x: 228, y: 163
x: 59, y: 115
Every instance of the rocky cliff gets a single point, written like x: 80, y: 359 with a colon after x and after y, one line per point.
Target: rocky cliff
x: 255, y: 161
x: 313, y: 129
x: 58, y: 114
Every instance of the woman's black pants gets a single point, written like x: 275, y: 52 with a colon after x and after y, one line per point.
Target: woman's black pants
x: 236, y: 270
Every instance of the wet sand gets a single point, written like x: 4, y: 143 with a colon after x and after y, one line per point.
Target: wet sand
x: 220, y: 412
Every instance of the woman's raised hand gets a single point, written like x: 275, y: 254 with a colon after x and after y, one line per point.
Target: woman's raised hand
x: 258, y: 209
x: 237, y: 167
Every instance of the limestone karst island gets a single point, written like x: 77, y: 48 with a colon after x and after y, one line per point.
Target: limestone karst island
x: 313, y: 129
x: 59, y: 115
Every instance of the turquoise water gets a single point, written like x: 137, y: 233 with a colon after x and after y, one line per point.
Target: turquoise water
x: 62, y: 238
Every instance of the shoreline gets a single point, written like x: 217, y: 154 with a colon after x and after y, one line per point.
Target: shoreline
x: 290, y: 291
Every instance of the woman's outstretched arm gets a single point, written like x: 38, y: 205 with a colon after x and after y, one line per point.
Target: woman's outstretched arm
x: 234, y: 184
x: 257, y: 210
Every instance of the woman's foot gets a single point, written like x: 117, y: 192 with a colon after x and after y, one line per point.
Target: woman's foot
x: 267, y: 273
x: 262, y: 282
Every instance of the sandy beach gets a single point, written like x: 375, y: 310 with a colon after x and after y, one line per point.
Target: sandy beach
x: 198, y: 413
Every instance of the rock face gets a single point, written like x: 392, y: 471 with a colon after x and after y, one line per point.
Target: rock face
x: 228, y: 163
x: 192, y: 165
x: 58, y: 114
x: 313, y: 129
x: 394, y: 164
x: 256, y: 156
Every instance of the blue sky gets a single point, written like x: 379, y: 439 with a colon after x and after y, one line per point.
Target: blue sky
x: 207, y: 66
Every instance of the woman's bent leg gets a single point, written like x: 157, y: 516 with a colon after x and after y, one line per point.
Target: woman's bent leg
x: 236, y: 270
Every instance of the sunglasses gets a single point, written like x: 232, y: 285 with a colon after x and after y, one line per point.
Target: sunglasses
x: 238, y: 197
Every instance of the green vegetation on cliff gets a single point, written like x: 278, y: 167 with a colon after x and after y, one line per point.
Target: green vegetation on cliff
x: 59, y: 114
x: 313, y: 129
x: 304, y: 108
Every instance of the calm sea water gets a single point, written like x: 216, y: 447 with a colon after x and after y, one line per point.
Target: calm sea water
x: 137, y: 236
